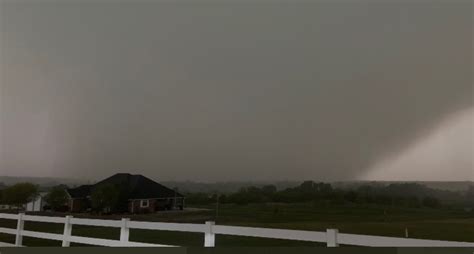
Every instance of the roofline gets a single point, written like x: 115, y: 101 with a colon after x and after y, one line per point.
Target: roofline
x: 80, y: 186
x: 69, y: 195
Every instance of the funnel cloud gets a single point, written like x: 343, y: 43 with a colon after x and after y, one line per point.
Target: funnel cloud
x: 230, y: 90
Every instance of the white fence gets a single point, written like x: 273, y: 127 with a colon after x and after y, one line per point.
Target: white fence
x: 331, y: 237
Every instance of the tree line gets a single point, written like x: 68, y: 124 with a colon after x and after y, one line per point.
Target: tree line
x: 397, y: 194
x: 106, y: 197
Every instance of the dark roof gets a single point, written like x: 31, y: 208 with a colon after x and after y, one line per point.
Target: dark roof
x: 135, y: 186
x: 144, y: 187
x: 80, y: 192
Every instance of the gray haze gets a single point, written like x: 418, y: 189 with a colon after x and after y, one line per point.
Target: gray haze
x: 225, y: 90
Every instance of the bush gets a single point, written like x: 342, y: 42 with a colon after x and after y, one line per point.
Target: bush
x: 105, y: 198
x: 57, y: 198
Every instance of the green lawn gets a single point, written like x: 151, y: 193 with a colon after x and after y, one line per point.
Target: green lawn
x: 437, y: 224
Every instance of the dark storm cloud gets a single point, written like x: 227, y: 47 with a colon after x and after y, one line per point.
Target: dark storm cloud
x: 217, y: 91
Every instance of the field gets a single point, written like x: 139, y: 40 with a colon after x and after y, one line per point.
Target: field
x: 436, y: 224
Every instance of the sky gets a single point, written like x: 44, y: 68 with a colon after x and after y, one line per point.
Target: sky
x: 237, y: 90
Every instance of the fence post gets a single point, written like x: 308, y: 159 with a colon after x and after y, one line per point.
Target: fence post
x: 124, y: 231
x: 19, y: 227
x: 67, y: 231
x: 209, y: 237
x: 332, y: 237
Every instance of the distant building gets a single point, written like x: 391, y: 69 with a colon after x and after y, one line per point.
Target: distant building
x: 38, y: 204
x: 137, y: 194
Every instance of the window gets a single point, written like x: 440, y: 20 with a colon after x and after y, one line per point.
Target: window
x: 144, y: 203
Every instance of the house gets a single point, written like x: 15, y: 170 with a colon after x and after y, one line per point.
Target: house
x: 79, y: 198
x: 38, y: 204
x: 136, y: 194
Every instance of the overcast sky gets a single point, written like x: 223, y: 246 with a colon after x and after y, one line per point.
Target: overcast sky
x: 237, y: 90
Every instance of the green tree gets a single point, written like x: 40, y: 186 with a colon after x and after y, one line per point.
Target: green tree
x: 105, y: 198
x: 20, y: 194
x: 57, y: 197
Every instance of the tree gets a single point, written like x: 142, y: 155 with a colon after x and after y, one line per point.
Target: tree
x: 20, y: 194
x: 470, y: 195
x: 307, y: 187
x: 105, y: 198
x: 57, y: 197
x: 431, y: 202
x: 350, y: 196
x: 269, y: 189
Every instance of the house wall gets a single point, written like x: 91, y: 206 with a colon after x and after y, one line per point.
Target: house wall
x: 35, y: 205
x: 134, y: 206
x: 76, y: 205
x: 155, y: 205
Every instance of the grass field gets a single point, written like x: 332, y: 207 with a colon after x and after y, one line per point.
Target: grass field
x: 436, y: 224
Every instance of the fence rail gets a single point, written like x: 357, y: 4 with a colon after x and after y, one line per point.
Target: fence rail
x: 331, y: 237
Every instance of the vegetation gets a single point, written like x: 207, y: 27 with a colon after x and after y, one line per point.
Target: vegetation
x: 57, y: 198
x: 368, y: 209
x: 104, y: 198
x: 19, y: 194
x: 410, y: 195
x: 423, y: 223
x: 470, y: 196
